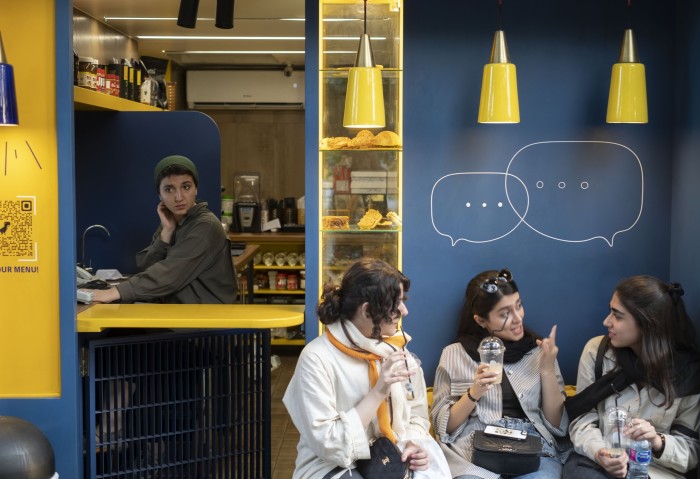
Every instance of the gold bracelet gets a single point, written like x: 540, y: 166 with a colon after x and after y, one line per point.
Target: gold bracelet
x: 657, y: 454
x: 469, y: 395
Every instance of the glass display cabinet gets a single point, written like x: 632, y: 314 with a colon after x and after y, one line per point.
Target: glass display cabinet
x: 360, y: 169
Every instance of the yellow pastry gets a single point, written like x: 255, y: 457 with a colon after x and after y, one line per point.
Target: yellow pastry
x: 370, y: 219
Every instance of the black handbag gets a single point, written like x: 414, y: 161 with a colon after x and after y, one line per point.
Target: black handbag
x: 384, y: 462
x: 507, y: 456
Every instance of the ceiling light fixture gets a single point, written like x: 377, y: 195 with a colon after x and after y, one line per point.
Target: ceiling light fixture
x: 187, y: 16
x: 499, y: 86
x: 8, y: 95
x: 627, y: 101
x: 364, y: 97
x: 224, y: 14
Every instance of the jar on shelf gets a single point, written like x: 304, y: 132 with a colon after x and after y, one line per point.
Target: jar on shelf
x: 292, y: 282
x: 281, y: 280
x: 86, y: 73
x: 302, y: 279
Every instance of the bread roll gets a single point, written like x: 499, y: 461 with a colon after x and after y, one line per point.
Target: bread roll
x: 386, y: 139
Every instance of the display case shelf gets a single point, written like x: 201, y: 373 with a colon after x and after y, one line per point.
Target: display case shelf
x: 355, y: 175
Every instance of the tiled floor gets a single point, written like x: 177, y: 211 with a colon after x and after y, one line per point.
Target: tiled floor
x: 284, y: 435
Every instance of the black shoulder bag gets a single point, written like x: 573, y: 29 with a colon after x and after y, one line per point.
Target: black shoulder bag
x: 384, y: 462
x: 506, y: 456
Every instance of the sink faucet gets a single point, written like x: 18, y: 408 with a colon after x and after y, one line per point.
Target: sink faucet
x: 82, y: 260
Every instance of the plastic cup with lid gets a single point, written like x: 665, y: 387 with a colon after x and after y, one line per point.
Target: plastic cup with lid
x: 491, y: 350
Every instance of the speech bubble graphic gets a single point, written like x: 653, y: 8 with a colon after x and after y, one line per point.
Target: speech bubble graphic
x: 473, y: 207
x: 579, y: 190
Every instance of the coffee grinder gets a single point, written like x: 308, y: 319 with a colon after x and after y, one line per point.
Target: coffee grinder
x: 246, y: 206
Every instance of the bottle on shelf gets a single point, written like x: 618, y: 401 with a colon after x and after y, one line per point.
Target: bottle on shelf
x: 639, y: 459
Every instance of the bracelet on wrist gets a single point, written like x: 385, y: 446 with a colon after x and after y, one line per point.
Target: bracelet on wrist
x: 657, y: 454
x: 471, y: 398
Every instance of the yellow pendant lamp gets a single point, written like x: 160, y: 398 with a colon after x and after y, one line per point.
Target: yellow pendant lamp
x: 364, y: 98
x: 627, y: 102
x: 499, y: 86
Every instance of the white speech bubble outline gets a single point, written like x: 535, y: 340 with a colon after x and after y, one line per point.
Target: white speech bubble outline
x: 527, y: 193
x: 612, y: 238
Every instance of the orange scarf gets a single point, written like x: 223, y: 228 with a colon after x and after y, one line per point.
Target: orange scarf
x: 371, y: 358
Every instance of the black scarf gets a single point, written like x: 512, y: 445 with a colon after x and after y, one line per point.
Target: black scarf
x: 515, y: 350
x: 685, y: 377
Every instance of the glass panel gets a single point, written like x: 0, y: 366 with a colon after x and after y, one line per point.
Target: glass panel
x: 343, y: 24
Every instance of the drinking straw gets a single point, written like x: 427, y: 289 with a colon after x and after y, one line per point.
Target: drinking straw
x: 413, y: 394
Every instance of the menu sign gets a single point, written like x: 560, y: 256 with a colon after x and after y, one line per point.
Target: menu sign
x: 29, y: 287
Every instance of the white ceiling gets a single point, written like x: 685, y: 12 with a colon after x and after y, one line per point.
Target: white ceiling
x: 252, y: 18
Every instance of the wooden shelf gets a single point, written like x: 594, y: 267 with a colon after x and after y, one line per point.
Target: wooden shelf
x: 280, y: 291
x: 84, y: 99
x: 287, y: 342
x: 267, y: 238
x: 261, y: 267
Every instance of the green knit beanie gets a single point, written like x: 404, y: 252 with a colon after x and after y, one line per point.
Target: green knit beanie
x: 175, y: 160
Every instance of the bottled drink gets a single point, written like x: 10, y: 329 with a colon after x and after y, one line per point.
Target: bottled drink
x: 640, y: 457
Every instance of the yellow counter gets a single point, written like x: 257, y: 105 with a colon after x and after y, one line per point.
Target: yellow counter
x: 172, y: 316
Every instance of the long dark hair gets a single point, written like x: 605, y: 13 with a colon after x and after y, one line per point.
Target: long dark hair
x: 660, y: 314
x: 480, y: 302
x: 367, y: 280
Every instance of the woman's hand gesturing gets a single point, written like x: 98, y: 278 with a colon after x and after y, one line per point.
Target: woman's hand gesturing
x: 549, y: 349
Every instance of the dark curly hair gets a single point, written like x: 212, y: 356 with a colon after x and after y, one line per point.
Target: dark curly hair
x: 367, y: 280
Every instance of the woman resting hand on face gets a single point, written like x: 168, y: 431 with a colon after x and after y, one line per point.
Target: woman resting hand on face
x: 651, y: 369
x: 348, y: 386
x: 530, y: 396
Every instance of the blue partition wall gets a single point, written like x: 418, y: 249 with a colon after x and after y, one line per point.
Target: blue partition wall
x: 115, y: 155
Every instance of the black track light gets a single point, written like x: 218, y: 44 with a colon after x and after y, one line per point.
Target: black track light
x: 224, y: 13
x: 188, y: 13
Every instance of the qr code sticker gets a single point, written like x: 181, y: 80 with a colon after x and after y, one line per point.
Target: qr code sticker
x: 16, y: 233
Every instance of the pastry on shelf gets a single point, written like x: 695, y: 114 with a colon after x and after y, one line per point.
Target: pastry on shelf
x: 363, y: 139
x: 335, y: 222
x: 394, y: 218
x: 335, y: 143
x: 386, y: 139
x: 370, y: 219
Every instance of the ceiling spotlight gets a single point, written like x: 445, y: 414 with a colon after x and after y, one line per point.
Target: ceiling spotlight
x: 187, y: 17
x: 224, y: 13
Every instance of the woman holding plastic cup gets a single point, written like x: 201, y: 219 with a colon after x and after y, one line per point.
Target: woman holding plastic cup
x: 349, y: 386
x: 648, y: 366
x: 523, y: 391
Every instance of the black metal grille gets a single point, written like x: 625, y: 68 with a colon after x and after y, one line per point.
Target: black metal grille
x: 179, y: 405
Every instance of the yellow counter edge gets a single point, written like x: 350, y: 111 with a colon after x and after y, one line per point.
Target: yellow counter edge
x: 174, y: 316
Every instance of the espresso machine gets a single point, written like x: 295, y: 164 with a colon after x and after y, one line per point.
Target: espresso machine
x: 246, y: 206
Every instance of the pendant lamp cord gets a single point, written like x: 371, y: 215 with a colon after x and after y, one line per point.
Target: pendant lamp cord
x: 629, y: 14
x: 500, y: 14
x: 365, y: 22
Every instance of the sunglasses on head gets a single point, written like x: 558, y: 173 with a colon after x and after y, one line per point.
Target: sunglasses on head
x: 491, y: 284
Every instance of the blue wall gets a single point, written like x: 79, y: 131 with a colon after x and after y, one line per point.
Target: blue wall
x: 115, y: 154
x: 685, y: 256
x: 564, y: 53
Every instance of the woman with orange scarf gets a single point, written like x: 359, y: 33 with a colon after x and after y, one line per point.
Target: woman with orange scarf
x: 348, y: 386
